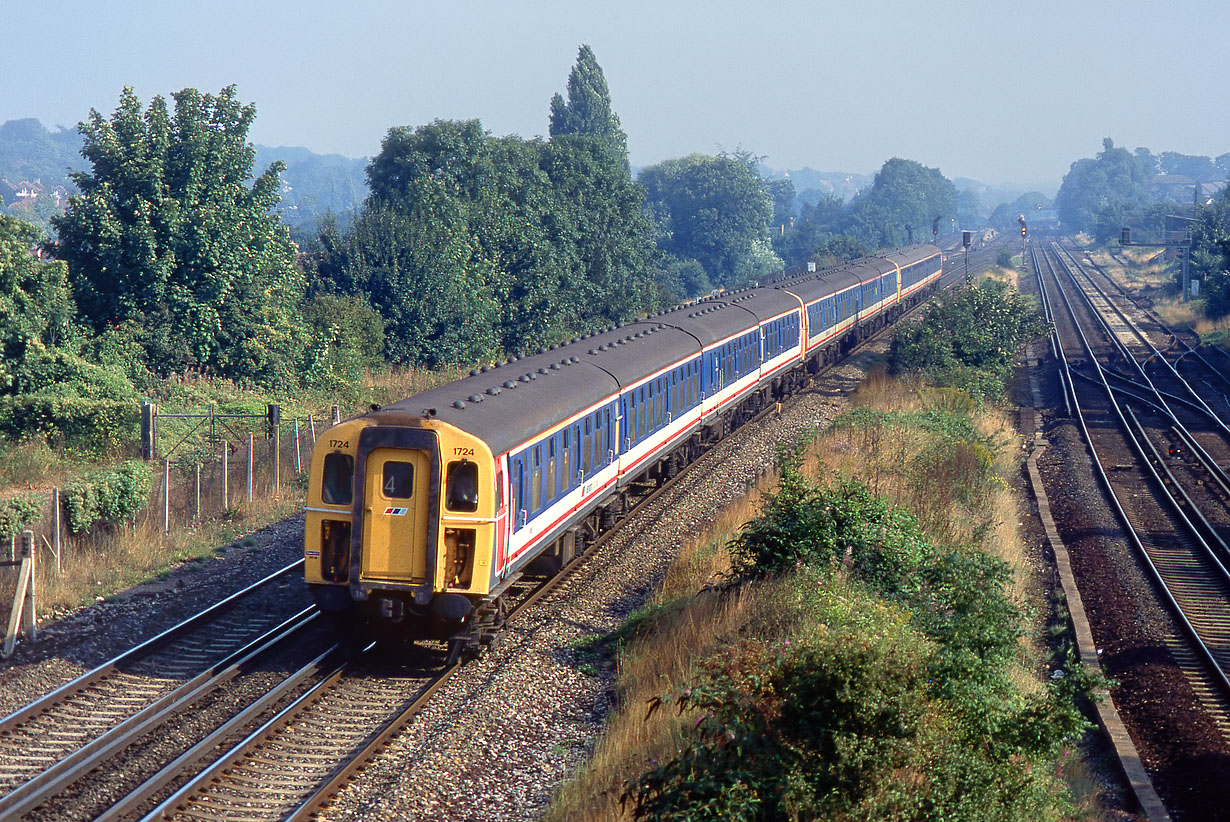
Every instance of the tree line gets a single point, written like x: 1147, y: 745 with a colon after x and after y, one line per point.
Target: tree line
x: 1116, y: 188
x: 171, y: 258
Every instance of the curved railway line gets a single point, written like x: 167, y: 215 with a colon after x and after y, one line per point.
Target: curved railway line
x: 229, y: 715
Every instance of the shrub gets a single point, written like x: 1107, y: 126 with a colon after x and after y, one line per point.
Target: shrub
x: 92, y: 428
x: 109, y: 496
x: 19, y: 512
x: 848, y: 720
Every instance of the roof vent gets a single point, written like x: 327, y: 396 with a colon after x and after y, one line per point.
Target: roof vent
x: 543, y: 370
x: 493, y: 390
x: 593, y: 351
x: 473, y: 372
x: 459, y: 404
x: 483, y: 370
x: 573, y: 359
x: 510, y: 384
x: 554, y: 367
x: 476, y: 398
x: 428, y: 412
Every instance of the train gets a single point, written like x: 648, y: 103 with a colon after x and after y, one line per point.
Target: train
x: 422, y: 514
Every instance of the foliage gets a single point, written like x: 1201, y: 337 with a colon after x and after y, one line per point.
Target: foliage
x: 714, y: 210
x: 968, y: 337
x: 1114, y: 179
x: 110, y: 495
x: 1211, y: 255
x: 169, y: 233
x: 18, y: 512
x: 903, y: 193
x: 36, y: 309
x: 89, y: 428
x: 470, y: 245
x: 892, y: 697
x: 588, y: 109
x: 346, y: 338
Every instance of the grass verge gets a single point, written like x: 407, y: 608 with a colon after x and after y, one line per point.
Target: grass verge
x: 841, y: 684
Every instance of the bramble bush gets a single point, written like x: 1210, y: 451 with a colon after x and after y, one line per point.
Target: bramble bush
x: 894, y: 696
x: 18, y: 512
x: 968, y: 338
x: 111, y: 495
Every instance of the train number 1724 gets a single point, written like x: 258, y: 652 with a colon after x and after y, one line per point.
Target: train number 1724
x: 463, y: 452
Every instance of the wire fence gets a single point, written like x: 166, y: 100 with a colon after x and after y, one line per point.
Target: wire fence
x: 206, y: 465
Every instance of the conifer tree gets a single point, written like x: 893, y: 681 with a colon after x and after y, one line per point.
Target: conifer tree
x: 588, y: 110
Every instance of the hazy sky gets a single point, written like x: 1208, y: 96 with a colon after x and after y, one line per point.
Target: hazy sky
x: 999, y: 91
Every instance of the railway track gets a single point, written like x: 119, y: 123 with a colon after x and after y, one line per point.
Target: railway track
x: 57, y: 740
x: 1130, y: 428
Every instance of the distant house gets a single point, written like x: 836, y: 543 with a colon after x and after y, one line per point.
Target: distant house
x: 1211, y: 191
x: 1175, y: 187
x: 23, y: 190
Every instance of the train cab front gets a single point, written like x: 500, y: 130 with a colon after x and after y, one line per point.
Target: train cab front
x: 395, y: 532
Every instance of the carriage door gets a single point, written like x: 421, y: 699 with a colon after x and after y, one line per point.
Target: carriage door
x: 396, y: 490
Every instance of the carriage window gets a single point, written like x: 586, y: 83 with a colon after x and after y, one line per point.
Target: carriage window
x: 566, y: 462
x: 600, y: 439
x: 587, y: 448
x: 536, y: 481
x: 461, y: 480
x: 337, y: 481
x: 398, y: 480
x: 551, y: 487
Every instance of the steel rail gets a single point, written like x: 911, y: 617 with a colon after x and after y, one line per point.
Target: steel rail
x: 1203, y: 651
x: 39, y: 789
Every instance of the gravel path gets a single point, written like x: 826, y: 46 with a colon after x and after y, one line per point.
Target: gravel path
x: 510, y: 727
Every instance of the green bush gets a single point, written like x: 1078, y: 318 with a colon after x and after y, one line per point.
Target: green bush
x: 895, y: 695
x: 110, y: 496
x: 19, y: 512
x: 93, y: 428
x: 968, y: 338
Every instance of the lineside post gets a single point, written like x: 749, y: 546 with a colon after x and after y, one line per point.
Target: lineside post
x: 226, y: 499
x: 251, y: 442
x: 166, y: 496
x: 21, y: 619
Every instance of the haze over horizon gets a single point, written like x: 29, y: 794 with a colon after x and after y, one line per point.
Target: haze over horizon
x: 961, y: 86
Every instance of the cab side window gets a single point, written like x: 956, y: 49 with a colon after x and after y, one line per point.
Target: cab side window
x: 337, y: 479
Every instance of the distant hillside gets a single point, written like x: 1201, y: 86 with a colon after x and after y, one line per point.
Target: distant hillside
x: 35, y: 162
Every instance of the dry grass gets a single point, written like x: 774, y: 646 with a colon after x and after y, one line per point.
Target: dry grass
x: 109, y: 560
x: 699, y: 624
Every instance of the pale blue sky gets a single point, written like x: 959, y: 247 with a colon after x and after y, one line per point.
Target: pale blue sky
x: 831, y: 85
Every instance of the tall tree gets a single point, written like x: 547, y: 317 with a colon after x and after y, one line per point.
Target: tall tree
x: 171, y: 235
x: 36, y: 308
x: 1115, y: 178
x: 714, y: 210
x: 588, y: 108
x: 903, y: 193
